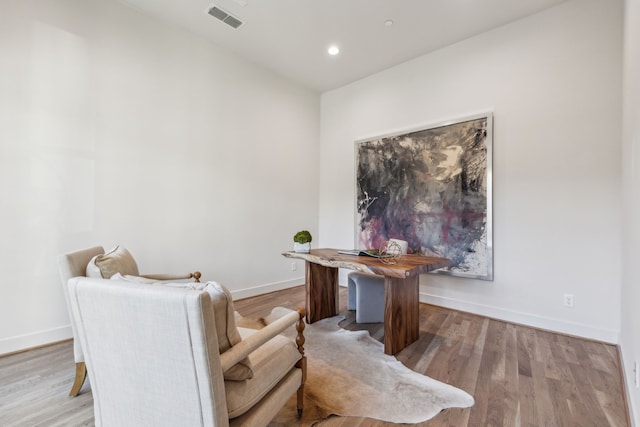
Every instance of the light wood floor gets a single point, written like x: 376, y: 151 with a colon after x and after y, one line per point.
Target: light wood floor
x: 519, y: 376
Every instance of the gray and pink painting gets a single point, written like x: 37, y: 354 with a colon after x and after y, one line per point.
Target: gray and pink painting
x: 430, y: 187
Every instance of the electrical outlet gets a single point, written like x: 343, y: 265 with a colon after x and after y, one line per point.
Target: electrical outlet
x: 636, y: 374
x: 294, y: 266
x: 568, y: 300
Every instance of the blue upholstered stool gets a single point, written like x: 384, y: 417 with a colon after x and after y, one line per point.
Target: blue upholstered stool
x: 366, y: 297
x: 366, y: 293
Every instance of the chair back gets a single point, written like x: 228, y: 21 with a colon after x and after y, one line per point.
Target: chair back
x: 74, y: 264
x: 151, y: 353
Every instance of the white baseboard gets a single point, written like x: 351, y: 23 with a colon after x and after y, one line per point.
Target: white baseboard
x: 264, y: 289
x: 556, y: 325
x: 35, y: 339
x: 570, y: 328
x: 627, y: 372
x: 23, y: 342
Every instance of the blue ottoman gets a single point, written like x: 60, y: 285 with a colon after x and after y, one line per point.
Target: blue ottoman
x: 366, y: 297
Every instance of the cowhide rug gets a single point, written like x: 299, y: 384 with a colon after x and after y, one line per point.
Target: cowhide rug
x: 349, y: 375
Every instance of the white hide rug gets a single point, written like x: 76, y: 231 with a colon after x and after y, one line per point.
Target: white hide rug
x: 349, y: 375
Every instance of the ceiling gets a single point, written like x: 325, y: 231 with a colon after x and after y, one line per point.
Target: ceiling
x: 291, y: 37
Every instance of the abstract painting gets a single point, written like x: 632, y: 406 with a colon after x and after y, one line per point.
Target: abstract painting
x: 431, y: 187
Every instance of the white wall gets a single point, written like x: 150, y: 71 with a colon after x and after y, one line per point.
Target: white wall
x: 116, y: 128
x: 553, y: 82
x: 630, y: 328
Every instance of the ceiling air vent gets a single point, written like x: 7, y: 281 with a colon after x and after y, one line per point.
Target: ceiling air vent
x: 225, y: 17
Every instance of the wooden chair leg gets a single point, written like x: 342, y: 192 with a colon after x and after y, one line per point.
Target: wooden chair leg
x: 81, y: 375
x: 302, y: 363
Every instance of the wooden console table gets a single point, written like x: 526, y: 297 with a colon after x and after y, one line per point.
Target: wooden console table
x: 401, y: 289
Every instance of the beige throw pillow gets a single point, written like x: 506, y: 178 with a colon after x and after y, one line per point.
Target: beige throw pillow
x: 226, y: 329
x: 117, y: 260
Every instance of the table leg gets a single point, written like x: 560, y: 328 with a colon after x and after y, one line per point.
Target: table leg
x: 401, y: 313
x: 322, y: 291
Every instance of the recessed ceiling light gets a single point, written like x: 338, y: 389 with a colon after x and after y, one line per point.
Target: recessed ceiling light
x: 388, y: 23
x: 333, y: 50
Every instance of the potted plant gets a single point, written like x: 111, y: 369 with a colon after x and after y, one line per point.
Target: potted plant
x: 302, y: 242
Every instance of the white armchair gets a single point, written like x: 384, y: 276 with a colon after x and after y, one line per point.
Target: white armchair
x: 74, y: 264
x: 154, y: 356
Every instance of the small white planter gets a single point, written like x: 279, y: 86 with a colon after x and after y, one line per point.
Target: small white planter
x: 302, y: 248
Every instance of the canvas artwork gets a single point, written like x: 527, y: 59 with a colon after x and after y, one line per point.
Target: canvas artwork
x: 432, y: 188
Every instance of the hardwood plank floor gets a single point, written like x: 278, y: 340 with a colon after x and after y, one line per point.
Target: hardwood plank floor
x: 519, y: 376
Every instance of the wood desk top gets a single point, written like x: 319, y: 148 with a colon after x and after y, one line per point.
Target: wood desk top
x: 407, y: 265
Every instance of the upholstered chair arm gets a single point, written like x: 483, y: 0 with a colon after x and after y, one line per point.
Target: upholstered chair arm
x: 195, y: 275
x: 245, y: 347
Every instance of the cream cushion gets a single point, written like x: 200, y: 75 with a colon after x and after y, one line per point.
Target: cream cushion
x: 226, y: 329
x: 268, y: 371
x: 117, y: 260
